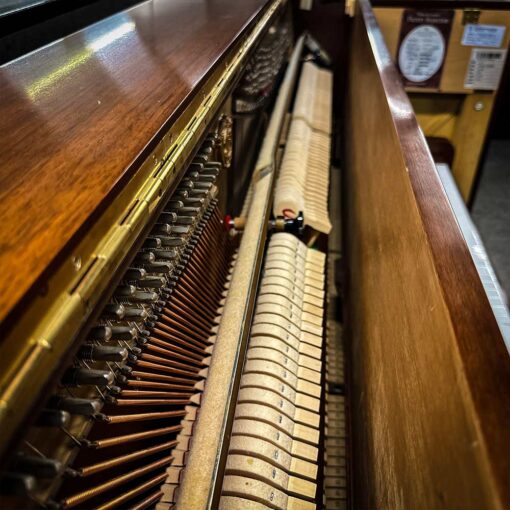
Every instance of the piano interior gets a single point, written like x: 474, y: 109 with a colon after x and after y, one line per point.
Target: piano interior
x: 259, y: 298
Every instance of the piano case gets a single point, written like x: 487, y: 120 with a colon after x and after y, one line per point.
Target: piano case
x: 135, y: 362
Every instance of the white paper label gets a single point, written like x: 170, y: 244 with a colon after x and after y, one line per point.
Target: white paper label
x: 421, y: 53
x: 484, y: 69
x: 489, y: 36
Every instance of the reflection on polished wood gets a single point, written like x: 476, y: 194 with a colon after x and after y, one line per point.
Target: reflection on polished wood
x: 77, y: 117
x: 430, y: 368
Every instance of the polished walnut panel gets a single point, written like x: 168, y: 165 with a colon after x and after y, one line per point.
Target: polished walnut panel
x: 77, y: 117
x: 430, y: 374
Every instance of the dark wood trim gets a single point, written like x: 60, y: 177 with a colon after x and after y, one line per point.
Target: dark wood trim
x: 412, y: 282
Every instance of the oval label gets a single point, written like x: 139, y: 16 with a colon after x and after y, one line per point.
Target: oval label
x: 421, y: 53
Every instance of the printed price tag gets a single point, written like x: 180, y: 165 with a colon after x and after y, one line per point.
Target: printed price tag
x: 485, y: 69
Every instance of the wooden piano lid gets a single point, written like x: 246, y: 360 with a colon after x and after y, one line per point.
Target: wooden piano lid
x: 77, y: 117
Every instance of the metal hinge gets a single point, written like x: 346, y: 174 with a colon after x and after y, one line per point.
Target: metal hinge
x: 470, y: 16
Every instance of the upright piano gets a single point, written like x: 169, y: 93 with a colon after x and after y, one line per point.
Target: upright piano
x: 231, y: 276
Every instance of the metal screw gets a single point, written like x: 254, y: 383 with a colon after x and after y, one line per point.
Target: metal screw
x: 76, y: 263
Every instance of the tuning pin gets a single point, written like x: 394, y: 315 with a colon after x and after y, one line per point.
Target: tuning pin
x: 183, y: 220
x: 125, y: 370
x: 135, y: 273
x: 90, y: 352
x: 174, y: 204
x: 82, y: 406
x: 189, y: 211
x: 146, y: 256
x: 186, y: 184
x: 16, y: 484
x: 78, y: 376
x: 158, y: 267
x: 39, y: 467
x: 100, y: 333
x: 181, y: 193
x: 162, y: 228
x: 141, y: 340
x: 152, y: 242
x: 167, y: 217
x: 145, y: 297
x: 114, y: 390
x: 192, y: 175
x: 125, y: 291
x: 194, y: 201
x: 196, y: 166
x: 154, y: 282
x: 135, y: 352
x: 124, y: 333
x: 113, y: 311
x: 110, y: 399
x: 203, y: 185
x: 166, y: 254
x: 201, y: 158
x: 172, y: 242
x: 135, y: 314
x: 213, y: 165
x: 209, y: 178
x: 52, y: 418
x: 183, y: 230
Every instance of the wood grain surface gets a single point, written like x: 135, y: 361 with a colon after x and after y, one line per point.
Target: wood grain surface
x: 430, y: 374
x: 78, y: 116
